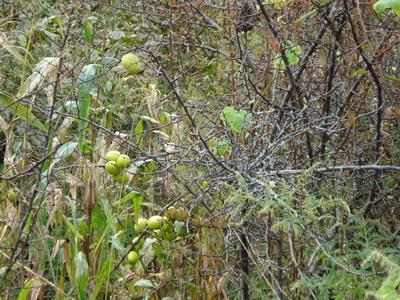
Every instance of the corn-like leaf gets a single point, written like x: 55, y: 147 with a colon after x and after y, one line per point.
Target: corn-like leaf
x: 23, y: 295
x: 81, y: 275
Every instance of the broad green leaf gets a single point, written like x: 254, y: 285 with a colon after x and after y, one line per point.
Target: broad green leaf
x: 223, y: 146
x: 21, y: 110
x: 101, y: 277
x: 234, y: 119
x: 381, y: 5
x: 388, y: 290
x: 293, y: 55
x: 81, y: 275
x: 23, y: 295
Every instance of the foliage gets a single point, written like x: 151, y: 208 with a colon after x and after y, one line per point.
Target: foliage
x: 259, y: 142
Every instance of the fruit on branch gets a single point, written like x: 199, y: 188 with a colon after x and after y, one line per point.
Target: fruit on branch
x: 167, y: 225
x: 122, y: 178
x: 171, y: 213
x: 133, y: 257
x: 123, y: 161
x: 112, y: 168
x: 170, y: 236
x: 132, y: 63
x: 141, y: 224
x: 112, y: 155
x: 155, y: 222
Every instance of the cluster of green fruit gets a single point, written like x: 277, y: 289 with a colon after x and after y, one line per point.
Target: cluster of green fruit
x: 132, y: 63
x: 116, y: 164
x: 168, y: 227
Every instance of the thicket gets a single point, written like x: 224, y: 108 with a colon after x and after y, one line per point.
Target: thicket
x: 265, y: 134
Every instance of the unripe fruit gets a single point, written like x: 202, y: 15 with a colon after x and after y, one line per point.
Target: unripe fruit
x: 111, y: 168
x: 171, y: 213
x: 129, y: 59
x: 136, y: 68
x: 112, y: 155
x: 141, y: 224
x: 123, y: 161
x: 122, y: 178
x: 132, y: 63
x: 170, y: 236
x: 158, y: 233
x: 133, y: 257
x: 167, y: 224
x: 155, y: 222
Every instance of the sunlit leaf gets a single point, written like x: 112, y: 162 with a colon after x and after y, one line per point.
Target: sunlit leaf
x: 381, y: 5
x: 236, y: 120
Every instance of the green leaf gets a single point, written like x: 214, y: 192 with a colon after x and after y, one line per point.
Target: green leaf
x: 21, y: 110
x: 85, y: 86
x: 23, y: 295
x: 293, y: 55
x: 88, y: 29
x: 81, y: 275
x: 388, y: 289
x: 234, y: 119
x: 381, y: 5
x: 106, y: 268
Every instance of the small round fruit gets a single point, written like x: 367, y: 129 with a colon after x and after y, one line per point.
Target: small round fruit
x: 171, y: 213
x: 159, y: 233
x: 141, y: 224
x: 129, y: 60
x: 122, y: 178
x: 133, y: 257
x: 112, y: 155
x: 132, y: 63
x: 170, y: 236
x: 136, y: 68
x: 111, y: 168
x: 182, y: 214
x: 123, y: 161
x: 167, y: 224
x: 155, y: 222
